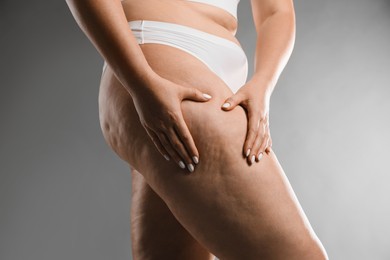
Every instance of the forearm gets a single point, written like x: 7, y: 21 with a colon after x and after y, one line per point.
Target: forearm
x: 105, y: 24
x: 275, y: 41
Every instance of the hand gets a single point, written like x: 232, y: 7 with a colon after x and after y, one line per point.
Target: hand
x: 256, y: 103
x: 159, y: 108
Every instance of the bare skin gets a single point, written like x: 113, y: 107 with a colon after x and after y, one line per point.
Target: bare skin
x: 227, y: 207
x: 234, y: 210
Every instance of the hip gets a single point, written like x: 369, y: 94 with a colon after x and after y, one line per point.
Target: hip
x: 119, y: 119
x: 222, y: 57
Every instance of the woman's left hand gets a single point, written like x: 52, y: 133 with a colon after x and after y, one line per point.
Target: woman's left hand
x: 256, y: 103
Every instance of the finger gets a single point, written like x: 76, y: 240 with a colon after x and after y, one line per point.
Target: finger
x: 232, y: 102
x: 167, y: 145
x: 265, y: 140
x: 269, y: 146
x: 180, y: 149
x: 256, y: 145
x: 195, y: 94
x: 264, y: 144
x: 186, y: 138
x: 157, y: 143
x: 253, y: 125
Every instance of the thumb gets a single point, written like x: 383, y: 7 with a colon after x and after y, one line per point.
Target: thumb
x: 232, y: 102
x: 195, y: 94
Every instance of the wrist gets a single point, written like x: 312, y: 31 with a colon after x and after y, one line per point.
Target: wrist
x: 262, y: 85
x: 141, y: 81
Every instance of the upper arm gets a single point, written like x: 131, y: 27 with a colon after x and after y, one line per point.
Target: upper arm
x: 262, y: 9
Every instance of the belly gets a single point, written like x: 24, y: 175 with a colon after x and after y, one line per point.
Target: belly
x: 119, y: 120
x: 204, y: 17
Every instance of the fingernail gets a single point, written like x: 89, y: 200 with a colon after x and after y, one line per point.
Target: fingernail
x: 190, y: 167
x: 226, y: 105
x: 259, y: 156
x: 195, y: 159
x: 166, y: 157
x: 247, y: 152
x: 253, y: 159
x: 182, y: 165
x: 206, y: 95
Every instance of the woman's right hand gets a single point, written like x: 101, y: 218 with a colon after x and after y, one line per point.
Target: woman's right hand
x: 159, y: 108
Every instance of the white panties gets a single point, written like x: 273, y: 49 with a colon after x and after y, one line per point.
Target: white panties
x: 222, y: 56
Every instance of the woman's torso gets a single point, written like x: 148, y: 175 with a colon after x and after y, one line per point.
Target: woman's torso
x: 204, y: 17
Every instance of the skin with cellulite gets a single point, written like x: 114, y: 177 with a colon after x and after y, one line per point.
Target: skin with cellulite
x: 226, y: 207
x: 236, y: 211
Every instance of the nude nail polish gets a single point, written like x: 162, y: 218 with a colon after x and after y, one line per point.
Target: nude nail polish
x: 259, y: 156
x: 226, y: 105
x: 248, y: 152
x: 195, y: 159
x: 182, y: 165
x: 206, y: 95
x: 253, y: 159
x: 190, y: 167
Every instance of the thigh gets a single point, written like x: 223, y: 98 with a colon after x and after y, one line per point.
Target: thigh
x: 235, y: 210
x: 155, y: 232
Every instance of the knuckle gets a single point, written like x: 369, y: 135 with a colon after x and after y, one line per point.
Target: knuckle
x: 230, y: 100
x: 176, y: 145
x: 252, y: 129
x: 186, y: 138
x: 194, y: 91
x: 145, y: 125
x: 190, y: 92
x: 262, y: 117
x: 172, y: 116
x: 262, y: 121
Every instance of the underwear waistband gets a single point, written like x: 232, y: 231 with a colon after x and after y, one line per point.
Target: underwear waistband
x: 179, y: 28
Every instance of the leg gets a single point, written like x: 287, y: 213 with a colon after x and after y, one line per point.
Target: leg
x: 235, y: 210
x: 155, y: 232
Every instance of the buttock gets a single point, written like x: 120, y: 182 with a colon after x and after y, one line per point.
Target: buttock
x: 119, y: 119
x: 223, y: 57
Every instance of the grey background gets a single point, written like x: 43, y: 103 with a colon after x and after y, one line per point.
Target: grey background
x: 65, y: 195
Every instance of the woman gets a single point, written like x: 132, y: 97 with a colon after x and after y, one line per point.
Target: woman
x: 205, y: 180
